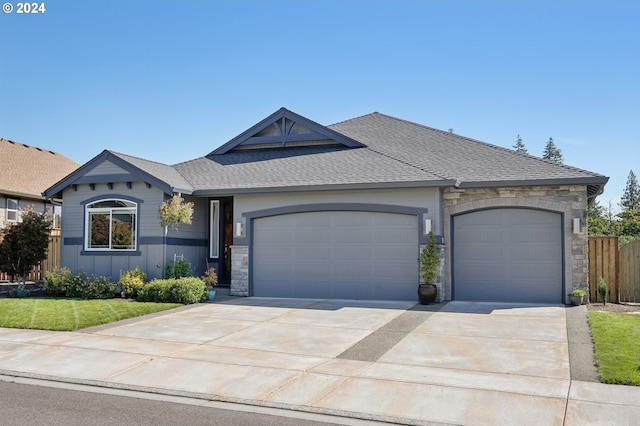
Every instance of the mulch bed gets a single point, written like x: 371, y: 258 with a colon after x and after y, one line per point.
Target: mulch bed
x: 36, y: 289
x: 614, y: 307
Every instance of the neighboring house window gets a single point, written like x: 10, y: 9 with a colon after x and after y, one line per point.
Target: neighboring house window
x: 55, y: 212
x: 111, y: 225
x: 214, y: 240
x: 12, y: 210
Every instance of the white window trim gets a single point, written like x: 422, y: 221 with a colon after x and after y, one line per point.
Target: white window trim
x: 111, y: 211
x: 214, y: 229
x: 9, y: 210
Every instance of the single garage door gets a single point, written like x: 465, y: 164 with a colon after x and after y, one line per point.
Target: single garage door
x: 336, y: 255
x: 508, y: 255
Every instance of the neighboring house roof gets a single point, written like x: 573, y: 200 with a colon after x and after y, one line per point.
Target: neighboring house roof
x: 26, y: 171
x: 287, y: 152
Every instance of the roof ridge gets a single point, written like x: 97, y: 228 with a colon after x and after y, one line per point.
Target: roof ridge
x: 424, y: 169
x: 501, y: 148
x: 34, y: 147
x: 354, y: 118
x: 138, y: 158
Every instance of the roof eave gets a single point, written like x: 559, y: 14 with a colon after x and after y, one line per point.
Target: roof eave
x: 55, y: 191
x: 324, y: 187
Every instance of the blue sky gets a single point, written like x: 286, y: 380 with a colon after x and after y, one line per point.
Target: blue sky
x: 172, y: 80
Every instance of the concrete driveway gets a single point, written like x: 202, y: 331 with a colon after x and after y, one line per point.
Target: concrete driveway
x: 458, y: 363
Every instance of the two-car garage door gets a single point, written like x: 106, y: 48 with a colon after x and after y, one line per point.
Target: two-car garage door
x: 509, y: 255
x: 337, y: 255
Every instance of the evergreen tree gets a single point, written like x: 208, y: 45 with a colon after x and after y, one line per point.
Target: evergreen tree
x: 24, y: 244
x: 519, y: 146
x: 600, y: 221
x: 552, y: 153
x: 631, y: 197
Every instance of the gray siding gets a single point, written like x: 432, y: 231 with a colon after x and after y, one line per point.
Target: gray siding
x: 150, y: 257
x: 428, y: 198
x: 23, y: 204
x: 106, y: 168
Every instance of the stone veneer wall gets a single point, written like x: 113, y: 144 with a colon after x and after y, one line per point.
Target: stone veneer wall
x: 567, y: 199
x: 239, y: 271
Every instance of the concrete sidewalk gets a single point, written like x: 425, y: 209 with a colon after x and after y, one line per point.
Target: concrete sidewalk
x: 466, y: 363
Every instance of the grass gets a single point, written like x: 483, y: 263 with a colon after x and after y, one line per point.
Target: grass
x: 617, y: 345
x: 71, y: 314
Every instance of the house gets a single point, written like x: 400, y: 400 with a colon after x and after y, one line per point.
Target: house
x: 292, y: 208
x: 25, y: 173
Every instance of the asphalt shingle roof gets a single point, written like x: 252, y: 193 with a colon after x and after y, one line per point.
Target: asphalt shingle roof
x: 296, y: 167
x: 394, y: 152
x: 452, y: 156
x: 27, y: 170
x: 168, y: 174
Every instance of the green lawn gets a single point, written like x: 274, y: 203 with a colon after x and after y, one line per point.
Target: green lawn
x: 617, y: 345
x: 71, y: 314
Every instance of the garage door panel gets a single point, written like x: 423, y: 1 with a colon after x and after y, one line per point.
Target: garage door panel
x: 350, y: 255
x: 512, y: 255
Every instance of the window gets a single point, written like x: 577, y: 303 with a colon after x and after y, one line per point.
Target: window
x: 214, y: 237
x: 12, y: 210
x: 111, y: 225
x: 55, y: 212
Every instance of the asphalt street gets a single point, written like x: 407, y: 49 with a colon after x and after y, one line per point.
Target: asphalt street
x: 29, y: 404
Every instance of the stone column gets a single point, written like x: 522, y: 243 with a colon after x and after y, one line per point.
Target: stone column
x: 239, y: 271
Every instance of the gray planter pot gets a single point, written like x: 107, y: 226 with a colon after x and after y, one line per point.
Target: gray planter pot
x: 575, y: 300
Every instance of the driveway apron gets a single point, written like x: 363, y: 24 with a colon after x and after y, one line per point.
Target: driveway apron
x: 456, y: 363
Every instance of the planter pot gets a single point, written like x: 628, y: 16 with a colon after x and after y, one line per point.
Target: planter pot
x: 212, y: 294
x: 575, y: 300
x: 427, y: 293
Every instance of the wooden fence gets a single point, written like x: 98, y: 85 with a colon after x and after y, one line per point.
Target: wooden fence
x: 620, y: 267
x: 630, y: 272
x: 53, y: 260
x: 603, y: 263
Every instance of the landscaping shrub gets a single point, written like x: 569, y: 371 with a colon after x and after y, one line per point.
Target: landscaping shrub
x: 18, y: 292
x: 185, y: 290
x: 61, y: 282
x: 57, y: 281
x: 178, y: 269
x: 210, y: 277
x: 131, y: 282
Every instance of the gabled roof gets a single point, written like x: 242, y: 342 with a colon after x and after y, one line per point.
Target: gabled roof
x: 160, y: 175
x: 283, y: 129
x: 26, y: 171
x: 287, y: 152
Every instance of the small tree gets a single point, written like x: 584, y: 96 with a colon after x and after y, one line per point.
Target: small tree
x: 631, y: 197
x: 552, y: 153
x: 24, y: 244
x: 429, y: 261
x: 175, y: 211
x: 519, y: 146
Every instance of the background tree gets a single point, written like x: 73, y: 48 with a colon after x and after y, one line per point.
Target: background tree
x: 552, y: 153
x: 600, y: 221
x: 629, y: 223
x: 631, y: 197
x: 24, y: 244
x: 519, y: 146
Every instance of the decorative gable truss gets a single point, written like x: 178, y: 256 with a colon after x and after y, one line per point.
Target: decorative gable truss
x: 284, y: 129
